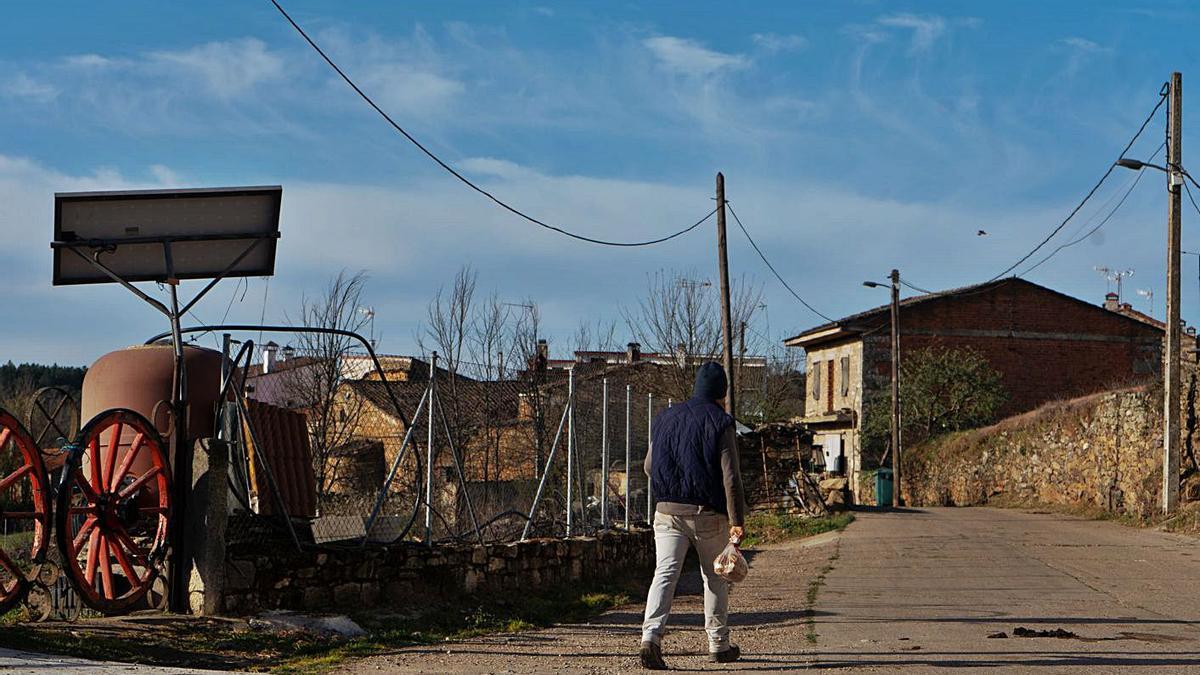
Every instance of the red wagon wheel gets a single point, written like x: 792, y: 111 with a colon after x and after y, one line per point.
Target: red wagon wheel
x: 24, y: 511
x: 113, y: 510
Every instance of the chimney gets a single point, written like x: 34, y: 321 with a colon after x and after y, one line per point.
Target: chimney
x: 1112, y: 302
x: 269, y: 350
x: 633, y: 352
x: 542, y: 358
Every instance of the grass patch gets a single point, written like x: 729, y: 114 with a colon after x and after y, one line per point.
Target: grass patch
x: 814, y: 591
x: 773, y: 528
x: 223, y: 644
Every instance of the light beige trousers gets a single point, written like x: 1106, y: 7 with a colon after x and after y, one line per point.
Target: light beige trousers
x: 673, y: 536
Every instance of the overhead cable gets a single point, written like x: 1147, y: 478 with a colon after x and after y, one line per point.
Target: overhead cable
x: 466, y: 181
x: 1137, y: 179
x: 1162, y: 97
x: 772, y: 267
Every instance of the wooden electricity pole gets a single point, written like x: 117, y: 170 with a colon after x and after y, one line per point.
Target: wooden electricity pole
x: 895, y: 388
x: 726, y: 320
x: 1172, y: 379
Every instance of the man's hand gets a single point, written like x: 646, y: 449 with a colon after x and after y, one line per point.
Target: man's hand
x: 737, y: 533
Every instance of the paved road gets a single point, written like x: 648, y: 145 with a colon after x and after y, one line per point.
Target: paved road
x: 920, y: 592
x: 915, y: 592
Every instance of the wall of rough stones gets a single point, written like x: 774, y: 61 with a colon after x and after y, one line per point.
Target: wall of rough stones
x: 273, y: 575
x: 1102, y: 451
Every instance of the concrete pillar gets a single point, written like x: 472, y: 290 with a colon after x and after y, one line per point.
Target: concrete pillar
x: 208, y: 519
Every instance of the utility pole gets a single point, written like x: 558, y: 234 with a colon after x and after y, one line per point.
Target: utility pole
x: 1172, y: 379
x: 726, y: 320
x: 895, y: 388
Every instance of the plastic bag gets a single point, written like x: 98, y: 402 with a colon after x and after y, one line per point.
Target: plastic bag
x: 730, y: 564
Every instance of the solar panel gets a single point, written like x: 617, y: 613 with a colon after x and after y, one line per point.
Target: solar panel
x: 156, y: 235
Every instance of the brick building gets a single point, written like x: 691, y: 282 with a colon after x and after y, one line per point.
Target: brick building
x: 1046, y: 345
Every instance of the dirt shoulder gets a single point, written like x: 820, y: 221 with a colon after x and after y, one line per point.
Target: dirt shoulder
x: 769, y: 609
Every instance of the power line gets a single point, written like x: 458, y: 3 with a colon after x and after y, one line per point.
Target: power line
x: 916, y: 288
x: 772, y: 267
x: 1161, y: 98
x: 1099, y: 225
x: 466, y: 181
x: 1189, y: 191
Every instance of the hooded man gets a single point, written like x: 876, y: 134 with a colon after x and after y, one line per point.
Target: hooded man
x: 694, y: 475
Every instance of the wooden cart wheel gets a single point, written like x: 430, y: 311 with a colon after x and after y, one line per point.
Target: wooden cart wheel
x: 113, y: 510
x: 24, y: 511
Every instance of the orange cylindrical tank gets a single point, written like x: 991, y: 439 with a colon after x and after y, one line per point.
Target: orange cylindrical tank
x: 139, y: 378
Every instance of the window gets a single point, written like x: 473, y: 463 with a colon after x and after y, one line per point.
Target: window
x: 845, y: 376
x: 829, y: 387
x: 814, y: 374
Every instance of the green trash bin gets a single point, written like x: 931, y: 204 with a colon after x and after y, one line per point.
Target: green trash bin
x: 883, y: 487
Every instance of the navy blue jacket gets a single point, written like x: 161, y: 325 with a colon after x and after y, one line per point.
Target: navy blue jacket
x: 685, y: 466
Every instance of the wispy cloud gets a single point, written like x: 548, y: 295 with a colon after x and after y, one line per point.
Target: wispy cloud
x: 689, y: 57
x: 926, y: 29
x: 23, y: 86
x: 775, y: 42
x: 226, y: 69
x: 1080, y: 51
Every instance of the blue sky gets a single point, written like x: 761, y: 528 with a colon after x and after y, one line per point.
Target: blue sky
x: 854, y: 136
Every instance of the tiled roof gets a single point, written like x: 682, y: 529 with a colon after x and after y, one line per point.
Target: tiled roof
x: 867, y: 319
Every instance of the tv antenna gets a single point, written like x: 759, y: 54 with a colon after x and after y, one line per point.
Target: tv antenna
x: 1149, y: 295
x: 1114, y: 275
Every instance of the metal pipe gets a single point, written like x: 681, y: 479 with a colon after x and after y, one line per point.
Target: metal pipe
x: 628, y: 444
x: 649, y: 450
x: 462, y: 476
x: 387, y: 484
x: 537, y: 497
x: 604, y: 454
x: 429, y: 453
x: 570, y: 447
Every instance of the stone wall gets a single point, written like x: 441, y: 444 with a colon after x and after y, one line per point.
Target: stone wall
x: 1102, y: 451
x: 273, y: 575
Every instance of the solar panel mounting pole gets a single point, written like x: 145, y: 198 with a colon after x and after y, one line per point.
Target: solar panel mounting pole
x: 179, y: 573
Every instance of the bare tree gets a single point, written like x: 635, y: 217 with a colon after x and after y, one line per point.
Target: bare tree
x: 680, y: 318
x: 314, y: 381
x: 598, y: 335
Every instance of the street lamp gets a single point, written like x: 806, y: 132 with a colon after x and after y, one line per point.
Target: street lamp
x: 895, y: 286
x: 369, y: 312
x: 1138, y: 165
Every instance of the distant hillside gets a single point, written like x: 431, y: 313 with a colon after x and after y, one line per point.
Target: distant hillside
x: 18, y: 382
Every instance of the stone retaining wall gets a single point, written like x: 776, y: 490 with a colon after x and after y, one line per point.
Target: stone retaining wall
x: 1102, y: 451
x: 264, y: 576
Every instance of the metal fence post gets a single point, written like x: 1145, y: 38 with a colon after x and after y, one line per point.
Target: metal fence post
x: 429, y: 452
x: 537, y: 497
x: 649, y: 449
x: 628, y: 444
x: 604, y: 455
x: 570, y: 447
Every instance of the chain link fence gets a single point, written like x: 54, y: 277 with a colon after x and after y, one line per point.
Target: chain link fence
x: 377, y: 452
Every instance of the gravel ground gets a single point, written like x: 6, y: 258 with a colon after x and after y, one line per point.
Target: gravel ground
x: 767, y: 612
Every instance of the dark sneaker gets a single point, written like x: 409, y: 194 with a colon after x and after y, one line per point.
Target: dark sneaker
x: 726, y: 656
x: 651, y: 656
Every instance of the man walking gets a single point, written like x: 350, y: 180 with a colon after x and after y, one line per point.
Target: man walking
x: 693, y: 469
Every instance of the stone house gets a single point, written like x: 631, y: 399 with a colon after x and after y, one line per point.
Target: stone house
x: 1046, y: 346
